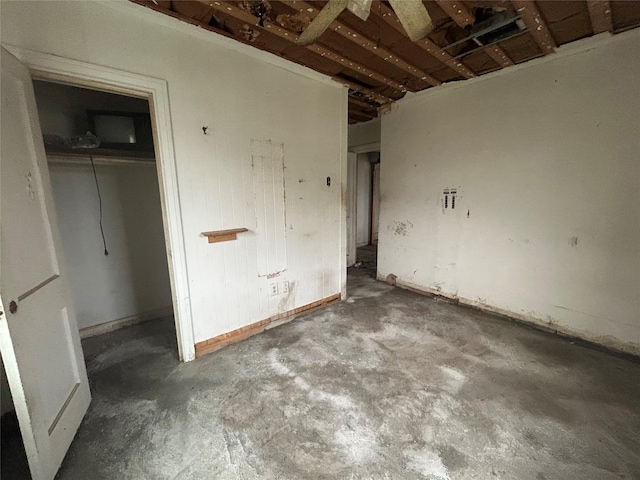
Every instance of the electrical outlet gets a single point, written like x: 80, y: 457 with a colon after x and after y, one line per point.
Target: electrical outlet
x: 273, y: 288
x: 284, y: 287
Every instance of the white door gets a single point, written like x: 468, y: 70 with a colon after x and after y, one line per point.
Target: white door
x: 39, y: 339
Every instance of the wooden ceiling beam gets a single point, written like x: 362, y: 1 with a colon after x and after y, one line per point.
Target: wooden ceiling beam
x: 355, y: 66
x: 163, y: 7
x: 458, y: 12
x: 362, y: 117
x: 532, y: 18
x: 367, y: 93
x: 463, y: 16
x: 362, y: 104
x: 427, y: 45
x: 232, y: 10
x: 600, y: 14
x: 371, y: 94
x: 498, y: 55
x: 359, y: 39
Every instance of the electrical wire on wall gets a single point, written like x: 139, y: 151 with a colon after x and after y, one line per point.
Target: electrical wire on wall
x: 87, y: 142
x: 95, y: 176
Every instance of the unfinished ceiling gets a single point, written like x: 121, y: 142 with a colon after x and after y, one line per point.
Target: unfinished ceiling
x: 378, y: 61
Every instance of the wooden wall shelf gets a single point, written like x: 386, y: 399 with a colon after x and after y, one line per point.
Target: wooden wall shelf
x: 63, y: 151
x: 224, y: 235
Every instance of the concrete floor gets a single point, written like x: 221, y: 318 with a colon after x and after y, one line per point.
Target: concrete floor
x: 387, y: 384
x: 367, y: 260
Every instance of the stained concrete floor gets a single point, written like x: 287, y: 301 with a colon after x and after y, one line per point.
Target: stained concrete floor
x: 385, y: 385
x: 366, y: 261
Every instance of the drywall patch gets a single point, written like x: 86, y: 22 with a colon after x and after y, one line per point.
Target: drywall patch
x: 267, y: 162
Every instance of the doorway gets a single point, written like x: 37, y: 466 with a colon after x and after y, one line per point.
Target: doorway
x: 48, y: 421
x: 107, y: 199
x: 365, y: 194
x: 102, y: 168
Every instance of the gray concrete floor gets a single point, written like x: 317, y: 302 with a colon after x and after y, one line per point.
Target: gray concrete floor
x: 367, y: 261
x: 387, y: 384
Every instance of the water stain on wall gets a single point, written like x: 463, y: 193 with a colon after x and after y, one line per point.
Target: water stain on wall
x: 401, y: 228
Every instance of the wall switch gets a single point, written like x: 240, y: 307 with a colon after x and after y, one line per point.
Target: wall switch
x: 273, y: 288
x: 284, y: 287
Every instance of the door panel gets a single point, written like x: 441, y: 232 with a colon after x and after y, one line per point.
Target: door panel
x: 24, y: 184
x: 39, y: 338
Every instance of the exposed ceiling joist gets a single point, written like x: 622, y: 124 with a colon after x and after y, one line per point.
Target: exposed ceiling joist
x: 427, y: 45
x: 355, y: 66
x: 386, y: 63
x: 361, y: 104
x: 232, y: 10
x: 366, y: 93
x: 463, y: 17
x: 498, y: 55
x: 321, y: 20
x: 536, y: 25
x: 600, y: 14
x: 371, y: 46
x: 458, y: 12
x: 359, y: 116
x: 159, y: 6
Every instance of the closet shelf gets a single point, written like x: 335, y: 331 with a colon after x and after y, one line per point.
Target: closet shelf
x: 224, y: 235
x: 101, y: 156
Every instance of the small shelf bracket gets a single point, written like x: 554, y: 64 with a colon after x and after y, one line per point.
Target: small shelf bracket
x: 224, y: 235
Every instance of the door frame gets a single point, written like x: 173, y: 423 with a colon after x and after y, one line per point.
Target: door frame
x: 357, y: 149
x: 374, y: 223
x: 352, y: 168
x: 49, y: 67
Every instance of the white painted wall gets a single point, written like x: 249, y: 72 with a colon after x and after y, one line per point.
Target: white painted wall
x: 365, y: 133
x: 547, y: 157
x: 134, y: 278
x: 240, y: 94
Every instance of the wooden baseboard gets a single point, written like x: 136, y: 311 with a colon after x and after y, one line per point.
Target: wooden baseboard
x: 101, y: 328
x: 208, y: 346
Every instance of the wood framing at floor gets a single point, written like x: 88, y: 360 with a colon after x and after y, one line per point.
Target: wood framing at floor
x: 219, y: 341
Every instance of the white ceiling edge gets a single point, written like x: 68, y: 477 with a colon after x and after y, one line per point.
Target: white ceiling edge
x: 573, y: 48
x: 359, y: 124
x: 146, y: 14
